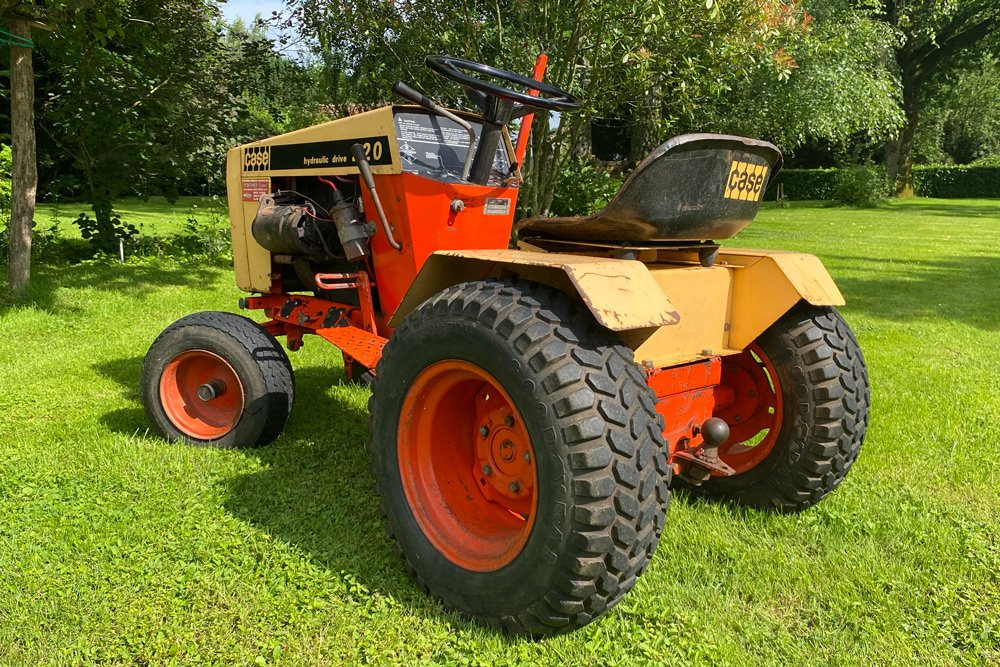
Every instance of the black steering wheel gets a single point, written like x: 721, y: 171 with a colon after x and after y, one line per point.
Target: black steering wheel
x: 549, y: 97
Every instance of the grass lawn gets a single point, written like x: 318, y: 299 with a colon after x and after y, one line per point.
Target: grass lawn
x: 118, y: 548
x: 152, y: 216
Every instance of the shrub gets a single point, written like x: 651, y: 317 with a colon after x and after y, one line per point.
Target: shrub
x: 104, y: 235
x: 5, y: 170
x: 862, y: 186
x: 584, y: 187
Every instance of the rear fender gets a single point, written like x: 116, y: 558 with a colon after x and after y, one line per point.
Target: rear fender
x: 621, y: 294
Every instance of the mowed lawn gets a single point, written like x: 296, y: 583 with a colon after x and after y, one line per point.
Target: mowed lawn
x: 118, y: 548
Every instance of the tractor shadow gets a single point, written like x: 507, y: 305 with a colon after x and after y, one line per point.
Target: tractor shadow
x: 314, y: 491
x: 130, y: 420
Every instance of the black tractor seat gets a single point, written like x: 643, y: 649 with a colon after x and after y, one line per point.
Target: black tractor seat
x: 693, y: 187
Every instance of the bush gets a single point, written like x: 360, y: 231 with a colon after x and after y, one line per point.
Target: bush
x: 862, y: 186
x: 958, y: 181
x: 582, y: 188
x: 104, y: 235
x: 805, y: 184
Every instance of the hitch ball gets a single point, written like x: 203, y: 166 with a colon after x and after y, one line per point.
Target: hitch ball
x: 714, y: 431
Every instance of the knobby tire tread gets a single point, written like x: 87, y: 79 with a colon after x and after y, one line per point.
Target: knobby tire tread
x: 611, y: 439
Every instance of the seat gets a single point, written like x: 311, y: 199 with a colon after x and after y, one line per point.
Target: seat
x: 694, y: 187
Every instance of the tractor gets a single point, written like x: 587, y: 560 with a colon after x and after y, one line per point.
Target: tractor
x: 539, y: 388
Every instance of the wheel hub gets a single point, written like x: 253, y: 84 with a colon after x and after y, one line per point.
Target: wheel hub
x: 201, y: 394
x: 505, y: 451
x: 458, y: 430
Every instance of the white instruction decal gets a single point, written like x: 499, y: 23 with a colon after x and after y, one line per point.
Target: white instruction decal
x: 497, y: 207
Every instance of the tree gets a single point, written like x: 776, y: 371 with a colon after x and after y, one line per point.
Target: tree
x: 932, y: 33
x: 651, y: 62
x: 24, y: 181
x: 960, y: 121
x: 139, y: 95
x: 838, y: 91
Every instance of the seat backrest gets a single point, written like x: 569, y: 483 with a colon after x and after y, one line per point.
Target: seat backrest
x: 693, y: 187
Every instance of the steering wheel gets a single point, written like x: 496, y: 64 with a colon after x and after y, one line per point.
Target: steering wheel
x: 549, y: 97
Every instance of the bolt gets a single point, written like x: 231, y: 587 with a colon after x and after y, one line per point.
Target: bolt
x: 527, y: 457
x: 487, y: 471
x: 514, y: 487
x: 484, y: 431
x: 508, y: 421
x: 647, y: 364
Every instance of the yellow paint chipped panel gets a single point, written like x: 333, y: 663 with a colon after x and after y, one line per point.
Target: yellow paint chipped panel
x: 620, y: 293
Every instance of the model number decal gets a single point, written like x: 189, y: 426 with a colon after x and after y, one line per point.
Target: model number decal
x: 315, y: 155
x: 746, y: 181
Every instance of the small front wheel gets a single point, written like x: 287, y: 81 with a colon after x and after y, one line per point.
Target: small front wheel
x: 217, y: 379
x: 518, y: 456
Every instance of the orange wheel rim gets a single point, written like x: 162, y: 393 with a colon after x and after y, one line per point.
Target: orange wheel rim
x: 467, y: 465
x: 752, y: 407
x: 201, y: 394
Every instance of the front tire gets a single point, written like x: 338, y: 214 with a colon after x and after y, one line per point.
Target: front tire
x: 518, y: 456
x: 799, y: 412
x: 217, y: 379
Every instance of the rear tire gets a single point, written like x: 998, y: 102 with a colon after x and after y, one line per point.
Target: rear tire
x: 518, y: 456
x: 820, y: 411
x: 217, y: 379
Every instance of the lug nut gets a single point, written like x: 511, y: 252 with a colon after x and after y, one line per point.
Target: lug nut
x: 514, y: 486
x: 508, y: 421
x: 527, y: 457
x: 484, y: 431
x: 487, y: 470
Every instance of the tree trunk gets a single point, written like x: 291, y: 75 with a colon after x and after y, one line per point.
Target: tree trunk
x: 25, y: 172
x: 904, y: 159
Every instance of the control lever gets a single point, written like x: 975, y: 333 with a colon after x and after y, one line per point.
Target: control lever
x: 366, y: 176
x: 422, y: 100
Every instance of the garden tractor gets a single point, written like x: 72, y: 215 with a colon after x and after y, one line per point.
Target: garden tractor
x: 534, y: 400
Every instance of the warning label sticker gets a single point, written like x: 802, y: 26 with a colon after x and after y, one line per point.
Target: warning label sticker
x: 254, y: 188
x: 497, y: 207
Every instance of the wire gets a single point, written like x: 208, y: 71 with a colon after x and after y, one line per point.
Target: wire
x: 330, y: 183
x: 319, y: 232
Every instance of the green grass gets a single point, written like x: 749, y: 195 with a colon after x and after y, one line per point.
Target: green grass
x: 152, y: 216
x: 117, y: 548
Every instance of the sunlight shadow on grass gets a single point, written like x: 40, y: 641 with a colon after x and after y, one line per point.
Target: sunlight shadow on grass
x: 951, y: 289
x: 111, y: 276
x: 315, y: 491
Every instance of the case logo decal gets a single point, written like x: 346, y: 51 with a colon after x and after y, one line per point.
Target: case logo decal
x: 257, y: 158
x: 746, y: 181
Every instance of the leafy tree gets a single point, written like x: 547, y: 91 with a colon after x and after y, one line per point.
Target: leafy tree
x: 961, y: 118
x: 139, y: 95
x: 932, y: 33
x: 650, y: 62
x: 20, y: 17
x: 838, y: 93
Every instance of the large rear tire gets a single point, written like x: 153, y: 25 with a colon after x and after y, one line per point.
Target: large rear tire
x: 518, y: 456
x: 217, y: 379
x: 798, y: 413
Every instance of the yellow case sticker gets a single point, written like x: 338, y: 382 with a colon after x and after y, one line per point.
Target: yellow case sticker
x: 746, y: 181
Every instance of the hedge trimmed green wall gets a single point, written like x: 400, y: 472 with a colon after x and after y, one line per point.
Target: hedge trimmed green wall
x: 944, y: 181
x: 952, y: 182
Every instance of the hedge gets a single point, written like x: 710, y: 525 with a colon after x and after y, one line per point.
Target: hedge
x: 958, y: 181
x: 944, y: 181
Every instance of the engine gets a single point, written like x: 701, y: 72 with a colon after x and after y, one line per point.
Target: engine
x: 291, y: 223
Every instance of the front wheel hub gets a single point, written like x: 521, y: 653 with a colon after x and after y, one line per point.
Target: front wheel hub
x: 201, y: 394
